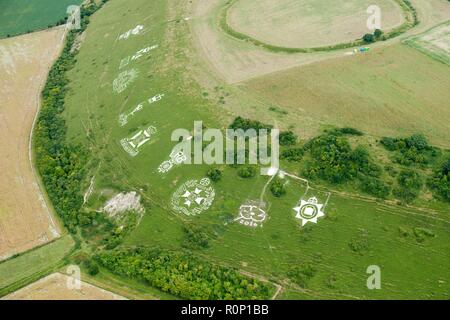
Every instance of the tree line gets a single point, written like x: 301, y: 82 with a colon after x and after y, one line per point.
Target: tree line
x: 61, y: 165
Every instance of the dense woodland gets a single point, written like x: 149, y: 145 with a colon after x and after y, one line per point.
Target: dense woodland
x: 182, y: 274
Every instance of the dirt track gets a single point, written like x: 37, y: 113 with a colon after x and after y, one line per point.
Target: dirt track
x: 25, y: 220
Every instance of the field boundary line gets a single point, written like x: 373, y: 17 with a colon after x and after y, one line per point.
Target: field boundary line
x: 51, y: 212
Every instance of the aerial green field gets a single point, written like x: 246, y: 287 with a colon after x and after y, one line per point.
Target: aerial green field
x: 408, y: 244
x: 33, y: 264
x: 21, y: 16
x: 378, y: 93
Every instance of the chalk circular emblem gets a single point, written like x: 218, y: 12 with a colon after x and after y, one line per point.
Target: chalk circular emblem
x: 309, y: 211
x: 193, y: 197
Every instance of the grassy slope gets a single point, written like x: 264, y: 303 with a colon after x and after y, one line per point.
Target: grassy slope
x: 20, y: 16
x: 409, y: 269
x: 378, y: 93
x: 33, y: 264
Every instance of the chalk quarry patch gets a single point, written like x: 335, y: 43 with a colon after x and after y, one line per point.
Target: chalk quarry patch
x: 124, y: 202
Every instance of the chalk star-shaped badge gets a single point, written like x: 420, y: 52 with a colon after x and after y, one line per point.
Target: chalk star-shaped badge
x: 309, y: 211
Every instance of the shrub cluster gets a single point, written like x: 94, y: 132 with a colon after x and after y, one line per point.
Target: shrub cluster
x: 246, y: 124
x: 412, y: 150
x: 335, y: 161
x: 246, y: 172
x: 287, y: 138
x: 293, y: 154
x: 194, y: 237
x: 440, y: 181
x: 409, y: 185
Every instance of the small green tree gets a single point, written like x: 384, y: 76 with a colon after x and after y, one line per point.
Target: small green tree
x: 378, y: 33
x: 278, y: 188
x: 369, y: 38
x: 92, y: 267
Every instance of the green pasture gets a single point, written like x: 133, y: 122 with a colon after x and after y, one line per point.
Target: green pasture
x: 21, y: 16
x: 31, y: 265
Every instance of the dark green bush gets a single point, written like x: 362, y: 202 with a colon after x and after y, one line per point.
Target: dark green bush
x: 440, y: 181
x: 246, y: 172
x: 214, y: 174
x: 409, y: 185
x: 194, y: 237
x: 278, y: 188
x: 294, y: 155
x: 287, y: 138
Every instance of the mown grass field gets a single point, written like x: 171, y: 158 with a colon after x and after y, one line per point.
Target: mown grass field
x: 306, y: 24
x: 33, y: 264
x: 21, y: 16
x: 382, y: 235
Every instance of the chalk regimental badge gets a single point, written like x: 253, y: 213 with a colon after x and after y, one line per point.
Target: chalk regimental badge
x: 175, y: 159
x: 251, y: 215
x: 133, y: 144
x: 124, y: 79
x: 309, y: 211
x: 193, y: 197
